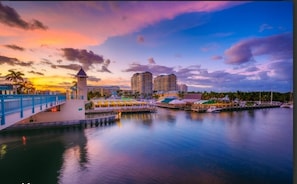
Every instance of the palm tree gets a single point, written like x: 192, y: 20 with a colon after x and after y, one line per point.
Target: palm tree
x: 74, y: 87
x: 27, y: 87
x: 16, y: 78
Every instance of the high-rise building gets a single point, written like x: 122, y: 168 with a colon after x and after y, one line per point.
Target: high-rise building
x: 142, y: 83
x: 182, y: 88
x: 165, y: 83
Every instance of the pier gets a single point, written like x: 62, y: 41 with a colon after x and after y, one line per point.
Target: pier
x: 119, y: 105
x: 84, y: 123
x: 130, y: 109
x: 233, y: 108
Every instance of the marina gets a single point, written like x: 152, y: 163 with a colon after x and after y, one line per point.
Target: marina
x: 147, y: 92
x: 171, y: 146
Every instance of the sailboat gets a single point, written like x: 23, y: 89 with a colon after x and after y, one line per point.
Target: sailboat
x: 288, y: 104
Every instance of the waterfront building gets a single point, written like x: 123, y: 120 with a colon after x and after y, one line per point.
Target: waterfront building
x: 182, y: 88
x: 81, y: 89
x: 165, y: 83
x: 142, y: 83
x: 104, y: 90
x: 192, y: 97
x: 7, y: 89
x: 169, y: 94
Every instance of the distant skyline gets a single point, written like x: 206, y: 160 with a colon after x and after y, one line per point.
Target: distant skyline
x: 209, y: 45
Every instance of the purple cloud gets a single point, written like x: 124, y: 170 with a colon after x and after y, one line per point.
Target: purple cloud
x: 208, y: 47
x: 14, y: 61
x: 104, y: 66
x: 277, y: 47
x: 252, y: 69
x: 198, y: 78
x: 37, y: 73
x: 15, y: 47
x: 216, y: 57
x: 140, y: 39
x: 104, y: 69
x: 86, y: 58
x: 151, y: 60
x: 94, y: 79
x: 10, y: 17
x: 154, y: 69
x: 282, y: 70
x: 75, y: 67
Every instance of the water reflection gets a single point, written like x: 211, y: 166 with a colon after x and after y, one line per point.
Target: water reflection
x: 228, y: 147
x: 3, y: 150
x: 194, y: 116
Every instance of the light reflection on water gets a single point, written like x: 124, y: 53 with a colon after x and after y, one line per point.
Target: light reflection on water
x: 165, y: 147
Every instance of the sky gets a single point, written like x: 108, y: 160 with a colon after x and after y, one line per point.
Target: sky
x: 219, y: 46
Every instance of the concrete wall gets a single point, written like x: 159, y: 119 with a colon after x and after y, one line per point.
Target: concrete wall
x: 71, y: 110
x: 82, y: 91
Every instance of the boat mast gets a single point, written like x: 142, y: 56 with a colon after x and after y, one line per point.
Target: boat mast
x: 271, y: 97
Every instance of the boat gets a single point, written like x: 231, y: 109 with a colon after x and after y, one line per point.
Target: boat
x: 214, y: 109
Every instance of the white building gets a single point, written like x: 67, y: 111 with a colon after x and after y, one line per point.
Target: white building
x: 7, y: 89
x: 82, y: 91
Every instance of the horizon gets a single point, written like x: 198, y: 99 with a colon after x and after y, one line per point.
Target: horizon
x: 209, y: 45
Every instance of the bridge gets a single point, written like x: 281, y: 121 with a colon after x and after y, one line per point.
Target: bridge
x: 14, y: 108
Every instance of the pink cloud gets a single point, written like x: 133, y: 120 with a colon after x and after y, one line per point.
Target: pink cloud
x: 216, y: 57
x: 99, y: 21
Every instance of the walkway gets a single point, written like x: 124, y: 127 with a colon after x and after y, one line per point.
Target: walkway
x: 14, y: 108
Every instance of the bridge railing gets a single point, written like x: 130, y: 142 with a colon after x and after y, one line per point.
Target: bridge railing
x: 10, y: 104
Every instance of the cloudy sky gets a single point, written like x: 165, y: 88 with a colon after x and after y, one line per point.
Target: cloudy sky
x: 210, y: 46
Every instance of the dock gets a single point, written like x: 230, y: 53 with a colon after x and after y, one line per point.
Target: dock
x: 171, y: 106
x: 237, y: 108
x: 140, y: 109
x: 84, y: 123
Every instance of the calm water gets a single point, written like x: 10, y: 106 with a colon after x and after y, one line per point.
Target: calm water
x: 165, y: 147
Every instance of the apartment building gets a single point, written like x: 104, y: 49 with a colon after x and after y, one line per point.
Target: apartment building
x: 165, y: 83
x: 182, y: 88
x: 142, y: 83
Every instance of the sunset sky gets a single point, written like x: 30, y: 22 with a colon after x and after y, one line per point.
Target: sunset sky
x: 209, y: 45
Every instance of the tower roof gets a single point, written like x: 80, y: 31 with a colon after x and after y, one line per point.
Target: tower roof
x: 81, y: 73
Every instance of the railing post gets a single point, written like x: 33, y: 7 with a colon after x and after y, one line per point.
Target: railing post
x: 2, y: 111
x: 40, y: 97
x: 21, y: 104
x: 45, y: 101
x: 33, y: 104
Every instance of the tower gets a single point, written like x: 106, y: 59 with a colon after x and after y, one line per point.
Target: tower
x: 82, y: 85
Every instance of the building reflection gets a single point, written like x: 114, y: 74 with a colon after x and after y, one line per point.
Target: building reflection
x: 194, y: 116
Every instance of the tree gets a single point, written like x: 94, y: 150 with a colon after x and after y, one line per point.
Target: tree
x: 16, y: 78
x: 26, y: 87
x: 74, y: 87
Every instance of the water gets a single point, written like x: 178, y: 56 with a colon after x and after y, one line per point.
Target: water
x: 165, y: 147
